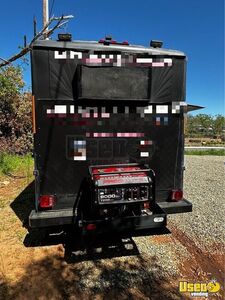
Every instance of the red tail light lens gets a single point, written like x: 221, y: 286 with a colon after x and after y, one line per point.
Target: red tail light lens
x: 91, y: 227
x: 146, y: 205
x: 177, y: 195
x: 47, y: 201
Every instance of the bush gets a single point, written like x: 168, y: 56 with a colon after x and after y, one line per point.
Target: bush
x: 15, y: 113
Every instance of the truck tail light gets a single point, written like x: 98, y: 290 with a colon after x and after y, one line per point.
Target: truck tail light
x: 177, y: 195
x: 91, y: 227
x: 146, y: 205
x: 47, y: 201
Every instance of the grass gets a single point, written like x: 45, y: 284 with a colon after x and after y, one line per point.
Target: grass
x: 218, y: 152
x: 16, y: 165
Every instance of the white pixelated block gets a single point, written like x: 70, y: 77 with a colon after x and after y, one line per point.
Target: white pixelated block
x: 74, y: 53
x: 174, y: 111
x: 118, y: 60
x: 144, y: 154
x: 142, y: 142
x: 148, y: 109
x: 162, y: 109
x: 72, y: 109
x: 144, y: 60
x: 60, y: 109
x: 105, y: 115
x: 111, y: 56
x: 79, y: 157
x: 177, y: 107
x: 50, y: 111
x: 168, y: 60
x: 93, y: 56
x: 103, y: 55
x: 115, y: 109
x: 158, y: 64
x: 118, y: 64
x: 58, y: 55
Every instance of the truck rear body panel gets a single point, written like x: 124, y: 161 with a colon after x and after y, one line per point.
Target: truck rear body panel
x: 102, y: 105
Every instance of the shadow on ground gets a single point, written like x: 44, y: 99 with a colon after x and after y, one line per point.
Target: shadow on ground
x: 89, y: 247
x: 103, y: 267
x: 24, y: 203
x: 127, y: 278
x: 92, y: 247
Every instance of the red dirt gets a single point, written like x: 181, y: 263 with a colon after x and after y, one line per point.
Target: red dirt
x: 42, y: 273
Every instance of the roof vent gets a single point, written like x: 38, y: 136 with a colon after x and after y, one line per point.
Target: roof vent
x: 65, y: 37
x: 156, y: 44
x: 108, y: 37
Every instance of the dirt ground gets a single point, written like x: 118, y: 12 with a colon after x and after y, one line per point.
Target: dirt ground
x: 32, y: 267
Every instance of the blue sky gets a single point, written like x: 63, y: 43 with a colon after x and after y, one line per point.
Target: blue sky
x: 193, y: 26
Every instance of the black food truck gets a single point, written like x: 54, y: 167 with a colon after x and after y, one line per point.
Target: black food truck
x: 108, y: 122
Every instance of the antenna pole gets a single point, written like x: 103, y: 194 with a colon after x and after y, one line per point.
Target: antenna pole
x: 45, y: 13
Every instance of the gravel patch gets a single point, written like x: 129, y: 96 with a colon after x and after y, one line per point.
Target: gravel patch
x: 161, y: 257
x: 204, y: 187
x: 150, y: 269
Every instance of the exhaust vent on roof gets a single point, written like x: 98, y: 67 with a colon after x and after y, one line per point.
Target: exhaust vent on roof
x: 156, y: 44
x: 65, y: 37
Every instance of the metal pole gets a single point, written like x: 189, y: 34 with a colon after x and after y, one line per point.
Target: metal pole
x: 45, y: 13
x: 35, y: 26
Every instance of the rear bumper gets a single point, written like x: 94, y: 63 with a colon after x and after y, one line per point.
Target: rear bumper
x: 51, y: 218
x: 134, y: 223
x: 66, y: 217
x: 176, y: 207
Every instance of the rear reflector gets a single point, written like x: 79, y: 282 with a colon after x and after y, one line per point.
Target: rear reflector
x: 177, y: 195
x: 91, y: 227
x: 146, y: 205
x: 47, y: 201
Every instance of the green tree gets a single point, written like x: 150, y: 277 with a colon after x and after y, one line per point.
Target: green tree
x: 203, y: 124
x: 218, y: 125
x: 192, y: 125
x: 15, y: 112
